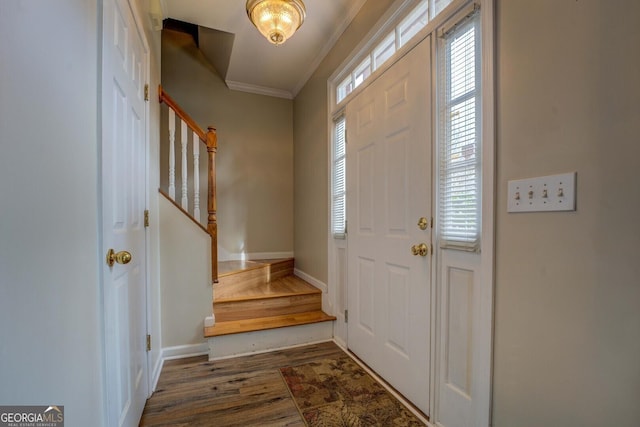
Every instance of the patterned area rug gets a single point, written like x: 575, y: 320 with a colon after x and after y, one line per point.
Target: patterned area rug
x: 340, y: 393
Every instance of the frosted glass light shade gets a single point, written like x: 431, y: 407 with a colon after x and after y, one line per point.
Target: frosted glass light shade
x: 277, y: 20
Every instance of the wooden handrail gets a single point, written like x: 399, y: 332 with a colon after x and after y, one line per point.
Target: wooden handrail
x: 210, y: 139
x: 164, y: 97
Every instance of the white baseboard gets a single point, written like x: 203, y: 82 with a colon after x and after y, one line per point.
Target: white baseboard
x: 157, y: 370
x: 228, y: 256
x: 182, y: 351
x: 308, y: 278
x: 209, y: 321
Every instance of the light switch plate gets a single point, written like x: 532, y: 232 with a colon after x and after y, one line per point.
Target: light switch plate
x: 545, y: 193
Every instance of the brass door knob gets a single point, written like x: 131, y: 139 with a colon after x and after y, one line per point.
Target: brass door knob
x: 122, y: 257
x: 422, y: 249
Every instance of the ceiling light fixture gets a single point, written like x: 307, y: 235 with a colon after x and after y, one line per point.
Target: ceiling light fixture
x: 277, y: 20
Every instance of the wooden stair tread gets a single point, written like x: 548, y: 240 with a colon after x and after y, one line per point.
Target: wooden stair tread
x: 264, y: 323
x: 282, y: 287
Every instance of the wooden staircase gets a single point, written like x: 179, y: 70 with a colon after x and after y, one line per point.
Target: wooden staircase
x: 260, y: 305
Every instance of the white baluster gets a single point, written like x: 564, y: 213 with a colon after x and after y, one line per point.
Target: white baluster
x: 172, y: 154
x: 184, y: 142
x: 196, y: 176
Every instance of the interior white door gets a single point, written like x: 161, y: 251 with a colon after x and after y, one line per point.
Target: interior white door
x: 124, y: 198
x: 389, y: 190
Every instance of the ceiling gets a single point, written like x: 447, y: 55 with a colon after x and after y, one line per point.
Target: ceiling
x: 252, y: 63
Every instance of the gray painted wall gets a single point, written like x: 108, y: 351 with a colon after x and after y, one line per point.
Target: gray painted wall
x: 51, y: 331
x: 255, y: 150
x: 185, y: 268
x: 50, y: 327
x: 567, y: 298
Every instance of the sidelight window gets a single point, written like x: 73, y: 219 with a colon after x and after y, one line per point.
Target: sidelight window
x: 459, y: 136
x: 339, y: 189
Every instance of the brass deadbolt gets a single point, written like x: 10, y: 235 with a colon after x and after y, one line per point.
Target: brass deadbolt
x: 423, y: 223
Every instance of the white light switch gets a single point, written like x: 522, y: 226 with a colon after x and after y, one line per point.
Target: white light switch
x: 545, y: 193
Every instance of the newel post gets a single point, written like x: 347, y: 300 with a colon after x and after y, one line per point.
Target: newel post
x: 212, y: 224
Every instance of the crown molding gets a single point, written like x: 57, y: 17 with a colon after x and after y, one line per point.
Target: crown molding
x: 259, y: 90
x: 351, y: 14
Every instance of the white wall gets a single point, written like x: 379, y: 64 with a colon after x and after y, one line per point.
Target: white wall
x: 50, y: 327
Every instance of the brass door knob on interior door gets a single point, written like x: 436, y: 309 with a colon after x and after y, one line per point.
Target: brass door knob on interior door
x: 422, y: 249
x: 122, y: 257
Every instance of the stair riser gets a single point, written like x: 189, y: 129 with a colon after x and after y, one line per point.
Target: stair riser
x: 231, y: 279
x: 240, y: 310
x: 238, y: 282
x: 272, y: 339
x: 281, y: 269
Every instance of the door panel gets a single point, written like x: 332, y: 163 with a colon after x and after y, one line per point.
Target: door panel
x: 124, y: 199
x: 457, y: 387
x: 389, y: 189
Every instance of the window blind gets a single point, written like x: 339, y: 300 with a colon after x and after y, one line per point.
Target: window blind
x: 338, y: 209
x: 459, y: 148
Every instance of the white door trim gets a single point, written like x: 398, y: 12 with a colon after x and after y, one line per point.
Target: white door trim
x: 488, y: 207
x: 483, y: 270
x: 147, y: 77
x: 139, y: 29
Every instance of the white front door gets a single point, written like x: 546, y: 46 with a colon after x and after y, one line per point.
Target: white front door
x: 389, y: 190
x: 124, y: 151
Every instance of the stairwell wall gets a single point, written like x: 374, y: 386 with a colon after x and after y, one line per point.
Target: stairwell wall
x: 255, y: 152
x: 185, y: 268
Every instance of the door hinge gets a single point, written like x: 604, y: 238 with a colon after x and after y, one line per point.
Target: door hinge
x: 346, y: 316
x: 146, y: 217
x: 148, y: 342
x: 146, y: 92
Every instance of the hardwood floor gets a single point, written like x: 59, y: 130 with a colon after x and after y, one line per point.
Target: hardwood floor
x: 243, y: 391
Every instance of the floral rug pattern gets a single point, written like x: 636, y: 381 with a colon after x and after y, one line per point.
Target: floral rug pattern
x: 339, y: 392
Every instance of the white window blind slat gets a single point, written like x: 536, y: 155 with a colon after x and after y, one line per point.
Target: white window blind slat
x: 338, y: 208
x: 459, y: 148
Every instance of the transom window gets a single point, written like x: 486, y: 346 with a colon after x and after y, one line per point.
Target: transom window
x: 405, y: 30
